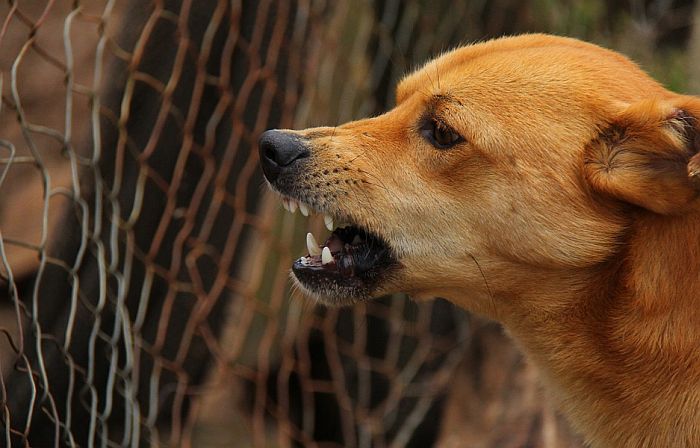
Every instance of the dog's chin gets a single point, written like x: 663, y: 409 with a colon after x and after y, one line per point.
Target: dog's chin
x: 330, y: 293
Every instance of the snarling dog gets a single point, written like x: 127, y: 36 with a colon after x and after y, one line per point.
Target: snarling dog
x: 543, y: 182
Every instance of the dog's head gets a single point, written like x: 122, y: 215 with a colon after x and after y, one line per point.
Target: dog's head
x: 500, y: 161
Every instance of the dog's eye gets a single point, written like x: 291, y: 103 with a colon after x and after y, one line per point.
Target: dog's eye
x: 439, y: 134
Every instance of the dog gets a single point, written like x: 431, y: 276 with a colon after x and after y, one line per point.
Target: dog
x: 540, y: 181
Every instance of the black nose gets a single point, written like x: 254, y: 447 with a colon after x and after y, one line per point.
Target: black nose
x: 280, y: 150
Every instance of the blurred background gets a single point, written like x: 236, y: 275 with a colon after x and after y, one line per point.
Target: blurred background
x: 144, y: 268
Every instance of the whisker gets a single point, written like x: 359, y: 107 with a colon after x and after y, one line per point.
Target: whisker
x: 432, y: 83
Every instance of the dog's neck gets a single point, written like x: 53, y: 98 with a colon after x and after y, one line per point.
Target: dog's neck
x: 627, y: 341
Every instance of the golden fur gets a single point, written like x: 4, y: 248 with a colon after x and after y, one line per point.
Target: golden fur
x: 569, y: 213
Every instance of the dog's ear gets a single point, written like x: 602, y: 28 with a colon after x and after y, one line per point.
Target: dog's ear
x: 648, y: 156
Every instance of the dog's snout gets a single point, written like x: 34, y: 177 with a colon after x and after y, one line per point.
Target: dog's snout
x: 280, y: 150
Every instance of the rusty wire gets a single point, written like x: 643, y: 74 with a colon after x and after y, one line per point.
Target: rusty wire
x: 112, y: 349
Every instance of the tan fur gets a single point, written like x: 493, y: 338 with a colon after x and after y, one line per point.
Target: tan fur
x: 567, y: 214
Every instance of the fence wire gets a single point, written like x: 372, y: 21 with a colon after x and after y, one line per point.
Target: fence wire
x: 145, y: 268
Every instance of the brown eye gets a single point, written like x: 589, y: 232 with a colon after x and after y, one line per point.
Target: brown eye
x: 439, y: 134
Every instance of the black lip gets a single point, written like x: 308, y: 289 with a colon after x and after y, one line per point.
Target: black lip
x: 357, y: 269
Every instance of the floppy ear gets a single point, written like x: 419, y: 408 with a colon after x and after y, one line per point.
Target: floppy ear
x: 647, y: 156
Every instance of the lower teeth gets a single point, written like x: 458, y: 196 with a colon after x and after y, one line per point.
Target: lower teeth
x: 326, y: 256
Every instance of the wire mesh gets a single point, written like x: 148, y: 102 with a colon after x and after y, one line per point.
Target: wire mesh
x: 147, y: 299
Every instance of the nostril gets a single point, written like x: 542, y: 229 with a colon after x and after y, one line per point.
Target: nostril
x: 291, y: 156
x: 269, y: 153
x: 289, y: 150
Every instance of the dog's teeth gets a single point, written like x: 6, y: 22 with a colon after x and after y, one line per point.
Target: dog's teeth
x: 329, y: 222
x: 304, y: 209
x: 285, y: 204
x: 293, y: 206
x: 312, y: 245
x: 326, y: 256
x: 357, y: 240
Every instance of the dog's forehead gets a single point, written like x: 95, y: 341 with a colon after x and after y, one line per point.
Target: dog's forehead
x: 554, y: 64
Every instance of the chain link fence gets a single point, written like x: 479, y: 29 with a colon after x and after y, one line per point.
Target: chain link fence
x: 146, y: 299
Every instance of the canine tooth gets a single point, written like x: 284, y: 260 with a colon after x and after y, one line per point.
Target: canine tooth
x: 293, y: 206
x: 329, y: 222
x: 326, y: 256
x: 285, y: 204
x: 312, y: 245
x: 304, y: 209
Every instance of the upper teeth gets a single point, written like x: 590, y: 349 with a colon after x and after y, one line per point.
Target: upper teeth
x: 312, y: 245
x: 329, y: 222
x: 291, y: 205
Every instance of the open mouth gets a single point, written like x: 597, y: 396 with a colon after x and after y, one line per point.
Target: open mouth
x: 347, y: 267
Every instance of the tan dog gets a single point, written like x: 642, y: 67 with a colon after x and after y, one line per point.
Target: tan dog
x: 540, y: 181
